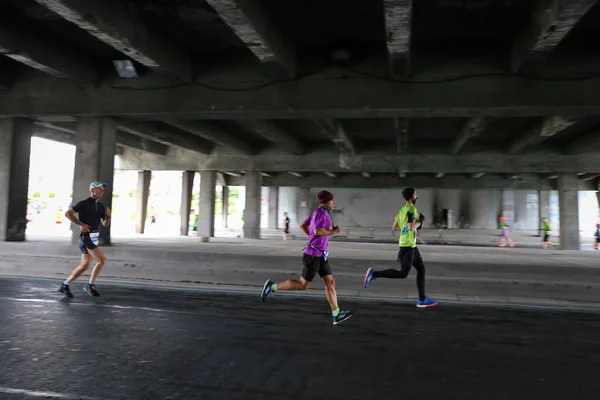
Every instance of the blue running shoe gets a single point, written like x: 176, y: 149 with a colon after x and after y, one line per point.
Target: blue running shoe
x: 342, y: 316
x: 426, y: 303
x: 267, y: 291
x: 369, y: 277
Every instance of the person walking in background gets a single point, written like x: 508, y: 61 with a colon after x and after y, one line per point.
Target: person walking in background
x: 505, y: 235
x: 546, y: 241
x: 286, y: 224
x: 597, y: 236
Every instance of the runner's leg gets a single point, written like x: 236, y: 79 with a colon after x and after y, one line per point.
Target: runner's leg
x: 84, y: 264
x: 420, y: 267
x: 100, y: 262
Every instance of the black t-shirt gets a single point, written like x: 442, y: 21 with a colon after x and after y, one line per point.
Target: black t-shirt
x: 90, y: 212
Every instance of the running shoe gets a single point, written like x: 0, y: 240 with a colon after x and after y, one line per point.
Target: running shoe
x: 91, y: 290
x: 369, y: 277
x: 342, y: 316
x: 427, y: 303
x: 267, y: 291
x: 66, y: 290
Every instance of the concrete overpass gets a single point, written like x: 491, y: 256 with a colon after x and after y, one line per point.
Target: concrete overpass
x: 462, y: 94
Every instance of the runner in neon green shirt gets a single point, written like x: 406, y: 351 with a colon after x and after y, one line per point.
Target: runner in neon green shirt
x: 407, y: 221
x: 546, y: 227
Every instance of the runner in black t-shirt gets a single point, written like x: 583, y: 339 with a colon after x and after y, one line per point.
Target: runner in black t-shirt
x: 90, y: 213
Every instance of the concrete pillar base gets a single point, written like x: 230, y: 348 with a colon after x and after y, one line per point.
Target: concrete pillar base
x: 206, y: 210
x: 15, y: 148
x: 187, y: 185
x: 568, y: 203
x: 253, y: 194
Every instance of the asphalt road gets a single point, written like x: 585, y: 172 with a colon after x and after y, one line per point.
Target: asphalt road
x: 141, y: 343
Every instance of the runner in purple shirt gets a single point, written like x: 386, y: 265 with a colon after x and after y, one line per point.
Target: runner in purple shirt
x: 318, y: 227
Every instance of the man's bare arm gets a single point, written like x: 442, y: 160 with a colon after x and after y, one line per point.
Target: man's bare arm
x: 327, y: 232
x: 70, y: 214
x: 304, y: 228
x: 106, y: 221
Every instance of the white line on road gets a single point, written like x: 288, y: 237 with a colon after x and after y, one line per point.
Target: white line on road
x: 160, y: 310
x: 47, y: 395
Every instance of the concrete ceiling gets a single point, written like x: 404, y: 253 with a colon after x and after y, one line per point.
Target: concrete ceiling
x: 378, y: 86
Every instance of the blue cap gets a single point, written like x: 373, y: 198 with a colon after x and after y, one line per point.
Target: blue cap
x: 96, y: 184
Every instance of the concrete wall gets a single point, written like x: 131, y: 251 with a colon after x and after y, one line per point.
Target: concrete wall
x: 288, y: 203
x: 526, y: 209
x: 484, y: 208
x: 372, y: 207
x: 479, y: 208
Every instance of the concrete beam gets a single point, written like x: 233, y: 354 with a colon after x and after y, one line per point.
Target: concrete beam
x: 311, y: 99
x: 550, y: 23
x: 527, y: 182
x: 170, y: 136
x: 488, y: 162
x: 250, y: 23
x: 66, y: 135
x: 543, y: 130
x: 473, y: 128
x: 586, y: 144
x: 274, y: 133
x: 114, y: 25
x: 126, y: 139
x: 216, y: 134
x: 334, y: 130
x: 48, y: 132
x: 398, y: 19
x: 20, y: 44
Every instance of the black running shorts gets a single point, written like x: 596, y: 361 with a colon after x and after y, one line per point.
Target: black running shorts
x: 313, y: 266
x: 86, y: 243
x: 546, y: 238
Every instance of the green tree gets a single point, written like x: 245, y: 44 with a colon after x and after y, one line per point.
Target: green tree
x: 51, y: 195
x: 36, y: 194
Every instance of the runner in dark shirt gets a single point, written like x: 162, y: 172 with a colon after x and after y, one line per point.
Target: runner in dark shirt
x: 90, y: 213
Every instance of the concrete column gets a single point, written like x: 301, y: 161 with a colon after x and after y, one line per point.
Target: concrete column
x: 304, y: 204
x: 225, y: 206
x: 206, y: 210
x: 95, y: 142
x: 544, y: 207
x: 508, y: 206
x: 253, y: 189
x: 143, y: 192
x: 15, y: 148
x: 568, y: 205
x: 273, y: 207
x: 187, y: 185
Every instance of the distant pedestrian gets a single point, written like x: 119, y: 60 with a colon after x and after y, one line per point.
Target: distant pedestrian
x: 546, y: 241
x: 505, y: 234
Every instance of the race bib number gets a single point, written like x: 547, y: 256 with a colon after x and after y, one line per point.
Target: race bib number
x: 326, y: 255
x: 95, y: 237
